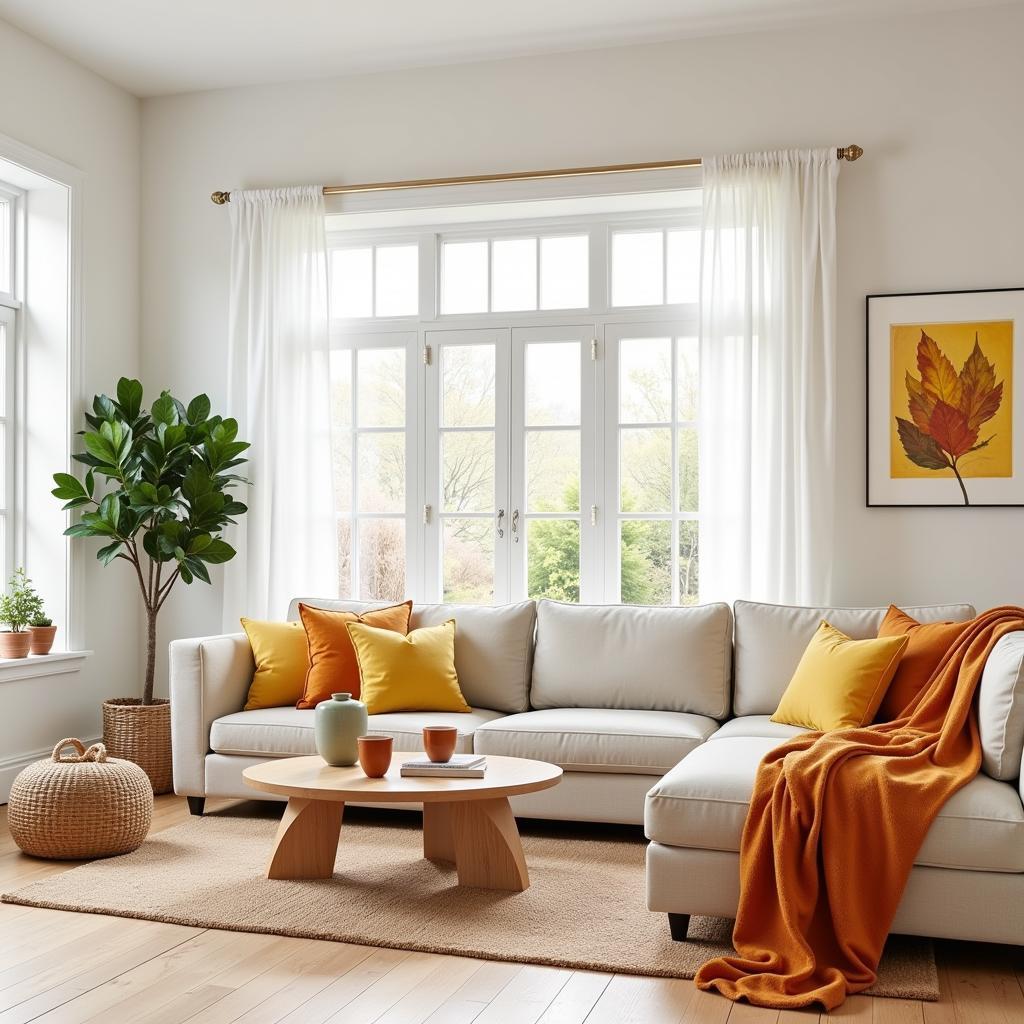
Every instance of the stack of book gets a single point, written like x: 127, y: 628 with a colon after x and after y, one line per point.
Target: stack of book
x: 461, y: 766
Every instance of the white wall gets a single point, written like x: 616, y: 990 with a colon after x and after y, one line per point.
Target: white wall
x: 57, y: 107
x: 935, y: 203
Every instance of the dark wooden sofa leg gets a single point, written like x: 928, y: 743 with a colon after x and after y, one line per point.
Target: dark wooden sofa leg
x: 678, y: 925
x: 197, y: 803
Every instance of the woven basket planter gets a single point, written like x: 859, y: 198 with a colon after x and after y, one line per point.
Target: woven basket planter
x: 68, y: 807
x: 141, y: 733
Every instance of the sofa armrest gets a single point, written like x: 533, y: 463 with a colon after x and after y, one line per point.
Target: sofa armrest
x: 209, y: 678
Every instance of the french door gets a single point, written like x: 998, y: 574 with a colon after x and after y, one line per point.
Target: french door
x: 511, y: 465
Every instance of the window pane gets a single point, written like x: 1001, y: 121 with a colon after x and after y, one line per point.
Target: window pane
x: 637, y: 271
x: 467, y: 385
x: 468, y: 561
x: 683, y: 272
x: 645, y: 380
x: 397, y: 280
x: 553, y: 383
x: 553, y: 559
x: 3, y: 369
x: 686, y: 444
x: 514, y: 274
x: 464, y: 277
x: 645, y: 561
x: 344, y: 557
x: 689, y: 576
x: 6, y: 284
x: 645, y: 469
x: 687, y: 378
x: 381, y: 560
x: 565, y: 272
x: 381, y: 462
x: 381, y: 395
x: 467, y: 471
x: 341, y: 428
x: 352, y: 282
x: 552, y: 471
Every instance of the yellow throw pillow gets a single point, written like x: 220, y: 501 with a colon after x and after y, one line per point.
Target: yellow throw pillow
x: 282, y: 661
x: 839, y: 683
x: 407, y: 673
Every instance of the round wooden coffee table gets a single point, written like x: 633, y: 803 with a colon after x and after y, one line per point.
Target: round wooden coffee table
x: 465, y: 821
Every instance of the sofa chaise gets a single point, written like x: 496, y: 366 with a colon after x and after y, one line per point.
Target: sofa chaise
x: 657, y: 716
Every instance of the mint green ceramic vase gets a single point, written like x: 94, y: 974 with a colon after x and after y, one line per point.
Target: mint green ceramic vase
x: 338, y: 723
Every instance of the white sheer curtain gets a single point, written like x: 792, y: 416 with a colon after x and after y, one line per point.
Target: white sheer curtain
x: 767, y: 349
x: 279, y: 391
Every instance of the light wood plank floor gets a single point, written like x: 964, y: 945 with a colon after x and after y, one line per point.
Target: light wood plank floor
x: 77, y: 968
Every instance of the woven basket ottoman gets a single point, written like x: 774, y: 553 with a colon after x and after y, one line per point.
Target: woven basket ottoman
x: 70, y: 807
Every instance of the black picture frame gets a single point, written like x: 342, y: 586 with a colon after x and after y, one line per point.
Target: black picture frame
x: 870, y: 425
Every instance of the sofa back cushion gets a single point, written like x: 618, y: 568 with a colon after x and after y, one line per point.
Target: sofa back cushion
x: 625, y: 656
x: 493, y: 646
x: 771, y: 638
x: 1001, y: 709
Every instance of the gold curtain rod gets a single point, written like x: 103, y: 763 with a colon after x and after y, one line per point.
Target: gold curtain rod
x: 850, y: 153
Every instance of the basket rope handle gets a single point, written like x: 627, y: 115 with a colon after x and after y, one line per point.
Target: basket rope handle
x: 97, y: 752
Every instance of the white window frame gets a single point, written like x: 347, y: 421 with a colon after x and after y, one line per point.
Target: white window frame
x: 614, y: 517
x: 599, y: 567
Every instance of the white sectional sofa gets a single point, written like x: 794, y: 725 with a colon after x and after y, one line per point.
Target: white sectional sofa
x: 657, y: 715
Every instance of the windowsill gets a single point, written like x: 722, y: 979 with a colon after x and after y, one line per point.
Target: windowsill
x: 58, y: 663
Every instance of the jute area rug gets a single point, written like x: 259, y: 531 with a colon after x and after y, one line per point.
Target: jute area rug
x: 585, y: 908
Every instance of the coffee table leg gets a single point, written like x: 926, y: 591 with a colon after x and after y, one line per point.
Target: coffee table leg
x: 307, y: 839
x: 488, y: 852
x: 438, y: 843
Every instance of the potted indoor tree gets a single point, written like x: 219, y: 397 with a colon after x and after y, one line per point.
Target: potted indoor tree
x: 157, y: 492
x: 18, y: 607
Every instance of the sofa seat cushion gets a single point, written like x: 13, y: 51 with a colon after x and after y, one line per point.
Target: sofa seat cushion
x: 702, y: 803
x: 597, y: 739
x: 756, y: 726
x: 285, y: 732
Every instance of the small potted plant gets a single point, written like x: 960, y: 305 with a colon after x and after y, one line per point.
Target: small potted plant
x: 43, y: 631
x: 18, y: 607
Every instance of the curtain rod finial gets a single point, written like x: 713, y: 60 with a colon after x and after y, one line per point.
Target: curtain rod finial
x: 220, y: 198
x: 850, y: 153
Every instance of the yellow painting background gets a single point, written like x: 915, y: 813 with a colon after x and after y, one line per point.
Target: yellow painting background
x: 956, y: 341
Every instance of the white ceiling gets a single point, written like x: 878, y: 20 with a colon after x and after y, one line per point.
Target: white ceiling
x: 153, y: 47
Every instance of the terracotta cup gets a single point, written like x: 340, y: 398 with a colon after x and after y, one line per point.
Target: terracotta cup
x: 439, y: 742
x: 375, y: 755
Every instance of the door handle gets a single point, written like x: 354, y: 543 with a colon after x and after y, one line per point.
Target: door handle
x: 501, y: 517
x: 515, y: 525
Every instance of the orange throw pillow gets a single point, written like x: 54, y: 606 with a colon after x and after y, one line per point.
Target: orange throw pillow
x: 333, y: 666
x: 928, y: 643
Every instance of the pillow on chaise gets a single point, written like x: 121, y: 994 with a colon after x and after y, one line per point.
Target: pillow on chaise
x: 839, y: 682
x: 927, y: 643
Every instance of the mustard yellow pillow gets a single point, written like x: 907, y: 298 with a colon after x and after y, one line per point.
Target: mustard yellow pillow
x: 839, y: 683
x: 282, y: 661
x: 407, y: 673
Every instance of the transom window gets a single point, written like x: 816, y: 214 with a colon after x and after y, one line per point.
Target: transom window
x: 529, y: 429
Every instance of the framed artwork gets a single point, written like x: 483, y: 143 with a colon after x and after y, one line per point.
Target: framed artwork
x: 944, y: 424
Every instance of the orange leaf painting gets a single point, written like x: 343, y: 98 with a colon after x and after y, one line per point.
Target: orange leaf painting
x: 948, y: 408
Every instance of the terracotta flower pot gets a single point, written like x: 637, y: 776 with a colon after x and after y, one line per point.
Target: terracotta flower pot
x: 15, y: 645
x: 439, y: 742
x: 141, y: 733
x: 375, y: 755
x: 42, y: 638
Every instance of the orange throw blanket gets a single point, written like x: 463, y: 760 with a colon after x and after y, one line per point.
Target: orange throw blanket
x: 834, y: 825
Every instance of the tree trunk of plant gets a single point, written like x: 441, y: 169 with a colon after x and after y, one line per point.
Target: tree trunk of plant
x: 147, y: 693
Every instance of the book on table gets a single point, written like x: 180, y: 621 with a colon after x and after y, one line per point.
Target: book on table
x: 460, y: 766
